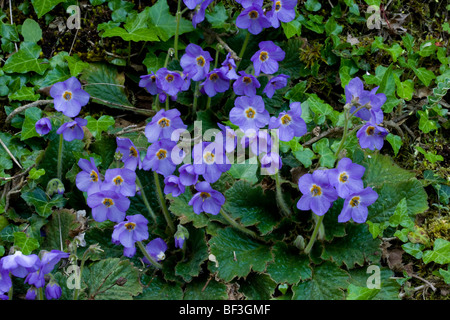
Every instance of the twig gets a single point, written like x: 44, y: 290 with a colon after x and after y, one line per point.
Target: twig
x: 129, y: 108
x: 10, y: 154
x: 120, y: 57
x: 226, y: 47
x: 392, y: 124
x: 18, y: 175
x: 22, y: 108
x: 129, y: 130
x: 409, y: 131
x: 323, y: 134
x: 13, y: 190
x: 12, y: 21
x: 426, y: 281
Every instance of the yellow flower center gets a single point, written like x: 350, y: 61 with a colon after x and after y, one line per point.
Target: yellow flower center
x: 169, y: 78
x: 253, y: 14
x: 130, y: 226
x: 250, y: 113
x: 209, y: 157
x: 277, y: 6
x: 247, y: 80
x: 213, y: 77
x: 286, y: 119
x: 354, y: 202
x: 370, y: 130
x: 201, y: 61
x: 133, y: 152
x: 118, y: 180
x: 316, y: 191
x: 204, y: 195
x: 161, y: 154
x: 107, y: 202
x: 343, y: 177
x: 94, y: 176
x: 67, y: 95
x: 263, y: 56
x: 164, y: 122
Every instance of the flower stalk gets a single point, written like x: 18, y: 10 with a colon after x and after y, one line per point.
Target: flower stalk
x: 149, y: 257
x: 163, y: 203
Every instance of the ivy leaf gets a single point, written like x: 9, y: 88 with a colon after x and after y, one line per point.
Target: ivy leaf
x: 361, y: 293
x: 31, y: 31
x: 25, y: 243
x: 100, y: 280
x: 327, y: 157
x: 76, y: 65
x: 164, y: 23
x: 425, y: 75
x: 38, y: 198
x: 96, y: 127
x: 32, y: 115
x: 246, y: 171
x: 218, y: 17
x: 414, y: 249
x: 401, y: 217
x: 440, y: 253
x: 445, y: 274
x: 43, y: 6
x: 395, y: 141
x: 26, y: 60
x: 24, y: 94
x: 405, y: 89
x: 288, y: 265
x: 35, y: 174
x: 305, y: 156
x: 237, y: 254
x: 389, y: 288
x: 327, y: 283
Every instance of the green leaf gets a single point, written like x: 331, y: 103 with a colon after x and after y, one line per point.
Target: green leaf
x: 445, y: 274
x: 312, y: 5
x: 327, y: 283
x: 401, y: 217
x: 246, y: 171
x: 377, y: 229
x: 414, y: 249
x: 105, y: 83
x: 24, y: 94
x: 96, y: 127
x: 425, y: 124
x: 288, y: 265
x: 38, y: 198
x: 26, y: 60
x: 252, y: 206
x: 58, y: 229
x: 425, y: 75
x: 395, y: 141
x: 218, y: 17
x: 305, y: 156
x: 440, y: 253
x: 76, y: 66
x: 332, y: 28
x: 180, y: 207
x: 405, y: 89
x: 257, y: 286
x: 43, y: 6
x: 355, y: 248
x: 100, y: 280
x: 164, y: 23
x: 237, y: 254
x: 36, y: 174
x: 389, y: 288
x: 26, y: 244
x: 31, y: 31
x: 159, y: 289
x: 427, y: 48
x: 32, y: 115
x: 292, y: 28
x: 361, y: 293
x: 204, y: 289
x: 327, y: 157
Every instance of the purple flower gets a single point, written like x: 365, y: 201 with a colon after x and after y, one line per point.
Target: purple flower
x: 246, y: 84
x: 216, y: 81
x: 226, y: 137
x: 180, y: 236
x: 210, y: 161
x: 199, y: 15
x: 229, y: 67
x: 53, y: 291
x: 158, y: 157
x: 173, y: 186
x: 258, y: 141
x: 46, y: 265
x: 282, y: 10
x: 130, y: 154
x: 188, y: 177
x: 249, y: 113
x: 195, y: 62
x: 356, y: 96
x: 355, y: 205
x: 73, y: 130
x: 43, y: 126
x: 253, y: 19
x: 289, y: 123
x: 31, y: 294
x: 19, y: 264
x: 120, y: 180
x: 149, y: 82
x: 108, y: 205
x: 156, y: 249
x: 271, y: 162
x: 247, y: 3
x: 69, y: 97
x: 163, y: 124
x: 318, y: 194
x: 206, y: 199
x: 346, y: 178
x: 5, y: 279
x: 128, y: 232
x: 170, y: 82
x: 267, y: 57
x: 275, y: 83
x: 191, y: 4
x: 88, y: 180
x: 371, y: 136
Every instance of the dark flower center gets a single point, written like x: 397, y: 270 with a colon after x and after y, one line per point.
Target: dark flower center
x: 107, y: 202
x: 263, y: 56
x: 153, y: 78
x: 370, y: 130
x: 213, y: 77
x: 354, y: 202
x: 205, y: 195
x: 277, y: 6
x: 247, y: 80
x: 130, y: 226
x: 133, y: 152
x: 118, y: 180
x: 94, y: 176
x: 67, y: 95
x: 343, y: 177
x: 170, y: 78
x: 286, y: 119
x: 161, y: 154
x: 201, y: 61
x: 253, y: 14
x: 164, y: 122
x: 250, y: 113
x: 316, y: 190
